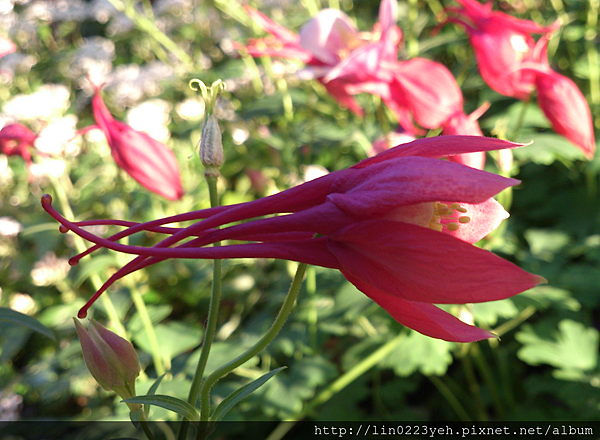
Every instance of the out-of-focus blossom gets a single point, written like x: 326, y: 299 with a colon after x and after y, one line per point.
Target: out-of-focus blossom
x: 348, y: 62
x: 345, y: 61
x: 59, y: 138
x: 566, y: 108
x: 16, y: 140
x: 21, y: 302
x: 47, y: 103
x: 151, y: 117
x: 501, y: 44
x: 6, y: 46
x: 9, y: 227
x: 391, y: 139
x: 93, y: 60
x: 461, y: 124
x: 111, y: 360
x: 49, y: 270
x: 147, y: 160
x: 394, y: 225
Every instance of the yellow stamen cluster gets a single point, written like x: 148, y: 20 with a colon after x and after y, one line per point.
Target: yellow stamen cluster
x: 441, y: 210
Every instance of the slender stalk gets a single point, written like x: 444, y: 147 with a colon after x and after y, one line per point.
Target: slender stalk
x: 445, y: 391
x: 591, y: 34
x: 268, y: 337
x: 489, y: 379
x: 211, y: 326
x: 148, y: 26
x: 338, y: 385
x: 140, y: 305
x: 474, y: 387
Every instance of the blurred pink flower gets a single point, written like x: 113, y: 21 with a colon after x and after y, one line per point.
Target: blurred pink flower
x: 566, y: 108
x: 390, y: 140
x: 501, y: 43
x: 461, y: 124
x: 394, y: 225
x: 6, y: 46
x: 16, y: 140
x: 147, y: 160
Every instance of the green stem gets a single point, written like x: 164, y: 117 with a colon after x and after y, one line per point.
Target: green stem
x: 515, y: 131
x: 591, y: 34
x: 148, y: 26
x: 489, y: 379
x: 211, y: 326
x: 140, y: 305
x: 268, y: 337
x: 445, y: 391
x: 474, y: 387
x: 342, y: 382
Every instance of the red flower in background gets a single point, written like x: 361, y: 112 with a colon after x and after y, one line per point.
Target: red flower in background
x: 513, y: 64
x: 348, y: 62
x: 16, y: 140
x: 397, y: 226
x: 147, y: 160
x: 501, y: 44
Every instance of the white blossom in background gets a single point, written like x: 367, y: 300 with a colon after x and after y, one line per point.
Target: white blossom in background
x: 9, y: 227
x: 239, y: 135
x: 13, y: 63
x: 151, y: 117
x: 47, y: 167
x: 94, y: 59
x: 49, y: 270
x: 21, y: 302
x: 47, y: 103
x: 59, y: 138
x: 129, y: 83
x: 191, y: 109
x: 6, y: 173
x: 312, y: 172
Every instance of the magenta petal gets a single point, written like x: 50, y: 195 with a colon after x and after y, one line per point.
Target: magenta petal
x: 379, y: 188
x: 439, y: 147
x: 424, y: 318
x: 419, y: 264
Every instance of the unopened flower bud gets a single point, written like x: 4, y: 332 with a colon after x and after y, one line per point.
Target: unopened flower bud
x: 211, y: 144
x: 111, y: 360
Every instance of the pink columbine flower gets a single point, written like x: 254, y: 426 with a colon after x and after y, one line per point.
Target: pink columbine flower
x: 565, y: 107
x: 344, y: 60
x: 6, y: 46
x: 111, y: 360
x: 16, y: 140
x: 394, y: 225
x: 147, y: 160
x: 461, y: 124
x: 501, y: 43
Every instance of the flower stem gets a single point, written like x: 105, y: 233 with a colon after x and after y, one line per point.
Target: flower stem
x: 591, y: 35
x: 268, y: 337
x: 140, y: 305
x: 211, y: 326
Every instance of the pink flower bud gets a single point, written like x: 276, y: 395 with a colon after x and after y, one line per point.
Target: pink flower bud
x: 111, y: 360
x: 147, y: 160
x: 16, y: 139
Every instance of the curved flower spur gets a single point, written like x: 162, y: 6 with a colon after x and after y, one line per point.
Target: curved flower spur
x: 399, y: 226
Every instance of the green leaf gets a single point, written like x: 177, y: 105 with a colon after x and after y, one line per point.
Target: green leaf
x: 575, y: 347
x: 174, y: 338
x: 240, y: 394
x: 152, y: 391
x: 11, y: 315
x: 421, y: 353
x: 174, y: 404
x: 546, y: 148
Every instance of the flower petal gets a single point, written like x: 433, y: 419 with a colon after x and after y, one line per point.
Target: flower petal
x: 419, y: 264
x: 424, y: 318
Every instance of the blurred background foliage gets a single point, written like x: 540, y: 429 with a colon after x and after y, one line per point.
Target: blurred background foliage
x: 346, y: 358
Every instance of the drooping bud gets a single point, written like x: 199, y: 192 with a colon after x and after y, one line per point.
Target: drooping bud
x: 111, y: 360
